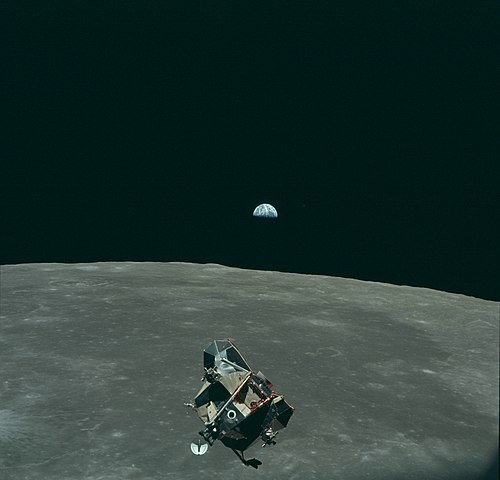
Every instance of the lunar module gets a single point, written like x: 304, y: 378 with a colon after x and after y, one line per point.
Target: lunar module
x: 238, y: 406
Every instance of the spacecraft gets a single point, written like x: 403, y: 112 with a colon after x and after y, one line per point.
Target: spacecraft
x: 237, y: 405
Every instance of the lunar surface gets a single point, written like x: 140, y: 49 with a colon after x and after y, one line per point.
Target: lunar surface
x: 96, y: 361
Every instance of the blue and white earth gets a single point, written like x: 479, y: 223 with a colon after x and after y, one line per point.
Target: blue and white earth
x: 265, y: 210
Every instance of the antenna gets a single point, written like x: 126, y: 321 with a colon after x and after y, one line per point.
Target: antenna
x: 199, y: 448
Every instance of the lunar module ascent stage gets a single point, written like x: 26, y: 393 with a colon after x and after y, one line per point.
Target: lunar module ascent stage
x: 237, y: 405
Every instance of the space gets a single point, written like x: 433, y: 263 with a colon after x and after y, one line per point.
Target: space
x: 152, y: 131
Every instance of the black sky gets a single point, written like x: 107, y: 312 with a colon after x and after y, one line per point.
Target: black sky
x: 150, y: 131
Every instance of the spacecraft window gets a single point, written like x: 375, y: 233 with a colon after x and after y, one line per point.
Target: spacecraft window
x: 235, y: 357
x: 218, y: 393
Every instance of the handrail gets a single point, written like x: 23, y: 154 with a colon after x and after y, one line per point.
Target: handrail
x: 238, y: 367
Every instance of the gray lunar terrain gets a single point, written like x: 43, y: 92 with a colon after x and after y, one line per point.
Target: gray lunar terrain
x: 96, y: 360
